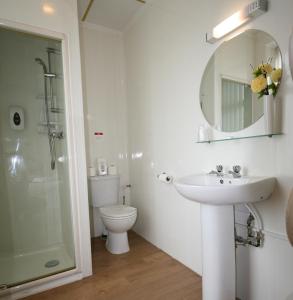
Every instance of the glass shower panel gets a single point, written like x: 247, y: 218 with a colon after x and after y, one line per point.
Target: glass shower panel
x: 36, y: 232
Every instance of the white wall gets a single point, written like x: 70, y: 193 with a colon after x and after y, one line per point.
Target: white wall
x: 165, y: 57
x: 105, y: 102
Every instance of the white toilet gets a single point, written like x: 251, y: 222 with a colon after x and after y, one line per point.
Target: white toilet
x: 118, y: 219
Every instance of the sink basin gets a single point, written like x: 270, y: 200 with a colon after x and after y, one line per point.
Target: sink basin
x: 214, y: 190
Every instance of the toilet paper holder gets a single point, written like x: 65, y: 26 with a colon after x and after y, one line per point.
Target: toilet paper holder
x: 164, y: 177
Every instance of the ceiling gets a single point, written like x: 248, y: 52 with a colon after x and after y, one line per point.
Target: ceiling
x: 114, y: 14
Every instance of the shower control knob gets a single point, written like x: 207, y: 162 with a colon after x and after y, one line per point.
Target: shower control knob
x: 16, y: 116
x: 16, y: 119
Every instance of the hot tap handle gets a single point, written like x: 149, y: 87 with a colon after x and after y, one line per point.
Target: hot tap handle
x: 236, y: 169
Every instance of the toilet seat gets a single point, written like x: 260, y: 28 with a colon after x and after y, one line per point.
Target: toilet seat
x: 118, y: 211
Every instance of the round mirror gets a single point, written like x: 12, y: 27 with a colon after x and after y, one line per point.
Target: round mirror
x: 228, y: 98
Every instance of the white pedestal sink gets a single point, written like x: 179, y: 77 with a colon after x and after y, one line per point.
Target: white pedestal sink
x: 217, y: 196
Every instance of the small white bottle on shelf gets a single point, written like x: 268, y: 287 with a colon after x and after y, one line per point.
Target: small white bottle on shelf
x: 102, y: 167
x: 92, y: 171
x: 202, y: 134
x: 112, y: 169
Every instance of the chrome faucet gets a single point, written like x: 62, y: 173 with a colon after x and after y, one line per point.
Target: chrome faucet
x: 219, y: 171
x: 235, y: 171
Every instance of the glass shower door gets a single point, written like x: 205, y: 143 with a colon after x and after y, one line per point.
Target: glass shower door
x: 36, y: 231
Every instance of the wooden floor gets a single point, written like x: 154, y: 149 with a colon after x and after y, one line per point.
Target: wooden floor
x: 143, y: 273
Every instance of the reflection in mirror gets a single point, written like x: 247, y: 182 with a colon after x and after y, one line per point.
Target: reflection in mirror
x: 226, y: 99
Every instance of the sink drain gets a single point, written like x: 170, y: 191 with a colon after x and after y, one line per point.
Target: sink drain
x: 52, y: 263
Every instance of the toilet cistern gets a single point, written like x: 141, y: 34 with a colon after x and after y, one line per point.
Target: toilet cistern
x: 118, y: 219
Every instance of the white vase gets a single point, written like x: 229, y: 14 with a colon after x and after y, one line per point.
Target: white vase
x: 268, y: 102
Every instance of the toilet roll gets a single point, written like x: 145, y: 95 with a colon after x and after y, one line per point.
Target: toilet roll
x: 163, y: 177
x: 289, y: 218
x: 92, y: 171
x: 112, y: 170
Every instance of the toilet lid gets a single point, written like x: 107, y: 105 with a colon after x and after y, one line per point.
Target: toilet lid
x: 118, y: 211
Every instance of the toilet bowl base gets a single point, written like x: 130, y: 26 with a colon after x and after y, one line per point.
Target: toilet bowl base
x: 117, y: 243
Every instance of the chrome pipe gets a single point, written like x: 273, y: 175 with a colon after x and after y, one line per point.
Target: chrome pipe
x: 51, y: 135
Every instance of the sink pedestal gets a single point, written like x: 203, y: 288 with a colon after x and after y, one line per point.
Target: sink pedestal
x: 218, y: 195
x: 218, y: 249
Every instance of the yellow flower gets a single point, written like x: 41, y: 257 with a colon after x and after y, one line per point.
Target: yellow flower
x: 266, y: 68
x: 276, y: 75
x: 258, y: 84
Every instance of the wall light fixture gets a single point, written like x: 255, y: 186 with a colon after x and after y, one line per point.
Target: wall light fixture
x: 242, y: 16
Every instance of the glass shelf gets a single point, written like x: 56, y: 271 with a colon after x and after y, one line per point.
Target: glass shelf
x: 231, y: 138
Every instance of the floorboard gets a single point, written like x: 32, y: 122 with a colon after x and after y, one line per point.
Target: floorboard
x: 145, y: 273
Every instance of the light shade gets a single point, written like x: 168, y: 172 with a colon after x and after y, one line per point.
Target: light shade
x: 242, y: 16
x: 229, y: 24
x: 48, y: 9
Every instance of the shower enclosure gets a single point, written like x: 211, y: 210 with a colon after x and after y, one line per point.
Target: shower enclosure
x: 36, y: 228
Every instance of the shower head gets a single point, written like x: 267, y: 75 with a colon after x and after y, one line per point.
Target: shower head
x: 41, y: 62
x: 46, y: 74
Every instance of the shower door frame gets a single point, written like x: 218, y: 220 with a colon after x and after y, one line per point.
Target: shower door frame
x: 77, y: 180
